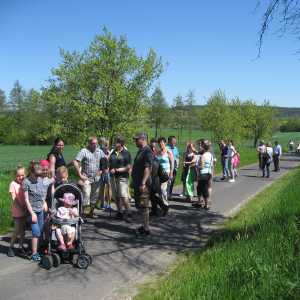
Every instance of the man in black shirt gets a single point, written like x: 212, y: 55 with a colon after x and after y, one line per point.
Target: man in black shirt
x: 141, y: 179
x: 120, y: 165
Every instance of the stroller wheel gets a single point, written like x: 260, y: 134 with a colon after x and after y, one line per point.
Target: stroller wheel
x: 47, y: 262
x: 90, y: 258
x: 83, y: 261
x: 56, y: 260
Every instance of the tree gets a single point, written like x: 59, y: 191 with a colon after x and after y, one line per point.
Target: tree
x: 258, y: 120
x: 16, y: 97
x: 216, y: 117
x: 287, y: 12
x: 191, y: 116
x: 2, y: 101
x: 157, y: 109
x: 178, y: 115
x: 102, y: 90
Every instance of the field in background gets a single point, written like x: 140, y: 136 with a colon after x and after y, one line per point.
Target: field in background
x: 11, y: 156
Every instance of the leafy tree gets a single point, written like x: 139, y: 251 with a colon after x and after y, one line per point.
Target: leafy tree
x: 2, y: 101
x: 258, y: 120
x: 191, y: 116
x: 216, y: 117
x: 157, y: 109
x: 103, y: 89
x: 178, y: 112
x: 16, y: 97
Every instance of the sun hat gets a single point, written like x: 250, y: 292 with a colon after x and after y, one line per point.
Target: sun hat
x: 69, y: 199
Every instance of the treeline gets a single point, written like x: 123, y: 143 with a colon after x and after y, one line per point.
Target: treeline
x: 105, y: 89
x: 290, y: 125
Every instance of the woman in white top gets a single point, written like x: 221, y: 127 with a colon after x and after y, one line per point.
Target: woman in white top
x: 231, y: 153
x: 204, y: 174
x: 267, y: 159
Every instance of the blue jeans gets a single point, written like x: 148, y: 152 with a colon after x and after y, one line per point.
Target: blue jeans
x: 225, y: 167
x: 37, y: 228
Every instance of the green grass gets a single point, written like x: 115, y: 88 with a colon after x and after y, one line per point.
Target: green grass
x: 255, y: 255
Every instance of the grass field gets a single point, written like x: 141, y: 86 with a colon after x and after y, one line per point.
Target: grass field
x: 254, y: 256
x: 11, y: 156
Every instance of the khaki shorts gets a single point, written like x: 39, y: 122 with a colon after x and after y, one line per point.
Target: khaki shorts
x: 67, y: 229
x: 119, y: 187
x: 142, y: 200
x: 90, y: 191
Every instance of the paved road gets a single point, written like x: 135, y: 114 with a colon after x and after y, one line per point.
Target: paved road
x: 120, y: 259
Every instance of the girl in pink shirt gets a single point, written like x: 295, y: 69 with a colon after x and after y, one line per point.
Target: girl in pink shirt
x: 18, y: 210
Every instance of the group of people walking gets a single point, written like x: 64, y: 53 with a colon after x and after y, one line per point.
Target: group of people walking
x: 268, y: 154
x: 105, y: 174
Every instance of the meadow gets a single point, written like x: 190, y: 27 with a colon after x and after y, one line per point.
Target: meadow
x: 11, y: 156
x: 255, y: 255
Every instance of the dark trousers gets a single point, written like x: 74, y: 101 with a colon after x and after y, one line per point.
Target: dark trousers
x: 266, y: 168
x: 276, y: 163
x: 171, y: 184
x: 156, y: 201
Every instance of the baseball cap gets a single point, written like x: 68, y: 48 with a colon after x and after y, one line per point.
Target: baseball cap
x: 140, y: 135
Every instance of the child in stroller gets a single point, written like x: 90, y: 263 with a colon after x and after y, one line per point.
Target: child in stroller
x: 66, y: 233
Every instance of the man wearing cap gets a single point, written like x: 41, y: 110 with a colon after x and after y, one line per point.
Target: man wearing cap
x: 119, y: 166
x: 141, y: 180
x: 87, y: 165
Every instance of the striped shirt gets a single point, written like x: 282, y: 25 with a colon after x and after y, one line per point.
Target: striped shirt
x: 90, y: 161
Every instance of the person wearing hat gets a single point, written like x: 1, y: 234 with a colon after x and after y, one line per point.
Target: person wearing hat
x: 141, y: 180
x: 66, y: 233
x: 119, y: 166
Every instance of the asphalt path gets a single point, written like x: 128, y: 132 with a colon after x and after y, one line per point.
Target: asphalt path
x: 120, y: 260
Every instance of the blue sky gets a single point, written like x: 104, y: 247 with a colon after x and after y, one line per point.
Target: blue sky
x: 207, y: 45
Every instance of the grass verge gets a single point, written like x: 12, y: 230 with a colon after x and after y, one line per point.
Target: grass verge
x: 254, y: 256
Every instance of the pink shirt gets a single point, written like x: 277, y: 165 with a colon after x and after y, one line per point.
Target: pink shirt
x: 18, y: 209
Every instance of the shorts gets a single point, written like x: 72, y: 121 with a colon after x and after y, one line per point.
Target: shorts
x: 67, y: 229
x: 203, y: 186
x: 142, y: 200
x: 119, y: 187
x: 90, y: 191
x: 37, y: 228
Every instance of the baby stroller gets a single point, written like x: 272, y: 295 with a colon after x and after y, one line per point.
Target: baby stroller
x: 53, y: 256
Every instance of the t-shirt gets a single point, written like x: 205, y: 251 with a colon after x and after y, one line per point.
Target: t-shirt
x: 18, y: 209
x: 120, y: 160
x: 176, y: 155
x: 36, y: 192
x: 208, y: 159
x: 90, y: 161
x: 143, y: 159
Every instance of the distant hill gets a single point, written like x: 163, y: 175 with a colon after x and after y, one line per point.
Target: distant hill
x: 283, y: 112
x: 287, y: 112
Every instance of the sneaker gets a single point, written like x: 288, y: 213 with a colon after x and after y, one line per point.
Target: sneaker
x: 107, y: 207
x: 22, y: 251
x: 231, y: 180
x: 142, y: 232
x: 119, y: 216
x: 35, y: 257
x: 10, y: 252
